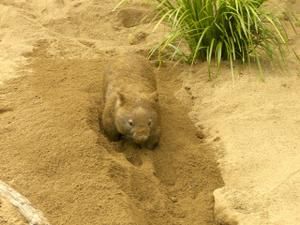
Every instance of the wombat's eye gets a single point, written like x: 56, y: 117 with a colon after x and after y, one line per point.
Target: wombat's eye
x: 130, y: 122
x: 150, y: 123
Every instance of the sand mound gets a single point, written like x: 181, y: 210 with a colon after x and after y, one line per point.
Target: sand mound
x: 71, y: 167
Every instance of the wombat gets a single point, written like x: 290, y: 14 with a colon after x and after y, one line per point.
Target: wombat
x: 131, y: 102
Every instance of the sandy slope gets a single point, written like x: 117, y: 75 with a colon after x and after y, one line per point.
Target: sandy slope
x: 257, y: 126
x: 52, y: 149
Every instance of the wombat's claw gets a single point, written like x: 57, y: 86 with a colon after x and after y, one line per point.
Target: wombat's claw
x: 151, y: 146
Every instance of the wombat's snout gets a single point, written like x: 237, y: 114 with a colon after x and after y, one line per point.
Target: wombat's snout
x: 139, y: 138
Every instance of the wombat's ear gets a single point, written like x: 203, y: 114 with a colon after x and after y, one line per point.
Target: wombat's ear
x: 120, y: 99
x: 153, y: 96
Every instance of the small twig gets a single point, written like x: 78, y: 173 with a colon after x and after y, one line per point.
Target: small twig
x: 32, y: 215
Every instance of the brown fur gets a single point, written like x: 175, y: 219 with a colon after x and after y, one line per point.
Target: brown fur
x: 131, y: 102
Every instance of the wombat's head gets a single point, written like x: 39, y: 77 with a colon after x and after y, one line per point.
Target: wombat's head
x: 138, y: 119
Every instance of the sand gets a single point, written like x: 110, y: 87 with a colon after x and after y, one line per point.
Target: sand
x: 52, y: 58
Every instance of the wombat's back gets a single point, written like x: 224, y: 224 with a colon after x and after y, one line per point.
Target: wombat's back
x: 131, y: 74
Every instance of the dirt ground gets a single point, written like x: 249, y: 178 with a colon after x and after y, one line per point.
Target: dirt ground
x: 52, y: 58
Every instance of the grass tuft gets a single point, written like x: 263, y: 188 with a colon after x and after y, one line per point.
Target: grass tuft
x: 217, y: 30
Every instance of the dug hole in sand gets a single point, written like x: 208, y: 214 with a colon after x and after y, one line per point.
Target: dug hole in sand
x: 54, y: 54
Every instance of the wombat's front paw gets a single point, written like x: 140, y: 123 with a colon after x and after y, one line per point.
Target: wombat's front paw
x: 151, y: 146
x: 110, y: 131
x: 112, y: 135
x: 152, y: 143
